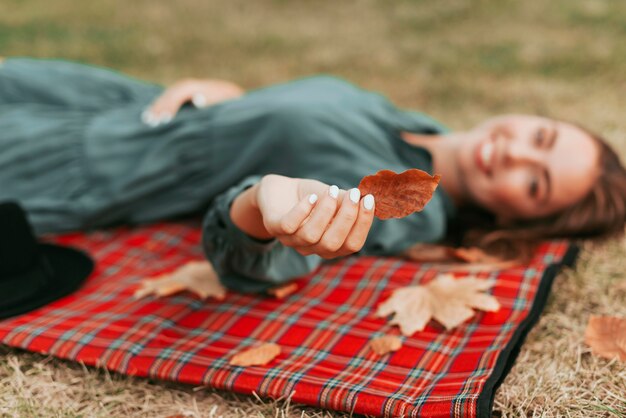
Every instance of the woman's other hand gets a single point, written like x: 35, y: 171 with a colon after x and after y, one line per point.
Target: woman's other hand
x: 312, y: 217
x: 201, y: 93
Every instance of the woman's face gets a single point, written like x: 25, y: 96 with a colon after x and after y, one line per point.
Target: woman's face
x: 524, y: 167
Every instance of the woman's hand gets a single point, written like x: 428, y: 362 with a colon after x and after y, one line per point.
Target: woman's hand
x: 201, y: 93
x: 312, y: 217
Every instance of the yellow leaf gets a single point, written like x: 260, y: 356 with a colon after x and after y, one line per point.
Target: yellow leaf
x: 198, y: 277
x: 257, y: 356
x: 385, y: 344
x: 445, y: 299
x: 606, y: 335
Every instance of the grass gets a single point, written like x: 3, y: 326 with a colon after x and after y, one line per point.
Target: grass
x: 456, y: 60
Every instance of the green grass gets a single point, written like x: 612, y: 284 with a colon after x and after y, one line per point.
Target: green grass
x: 459, y: 61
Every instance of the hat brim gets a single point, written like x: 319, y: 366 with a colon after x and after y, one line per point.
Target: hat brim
x: 71, y: 267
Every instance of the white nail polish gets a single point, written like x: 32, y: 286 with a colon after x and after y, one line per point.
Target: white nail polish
x: 198, y: 100
x: 153, y: 122
x: 313, y: 198
x: 166, y: 118
x: 333, y: 191
x: 145, y: 116
x: 368, y: 202
x: 355, y: 195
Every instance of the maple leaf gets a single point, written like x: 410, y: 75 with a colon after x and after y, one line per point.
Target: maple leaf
x: 256, y: 356
x: 606, y: 335
x: 445, y: 299
x: 198, y: 277
x: 385, y: 344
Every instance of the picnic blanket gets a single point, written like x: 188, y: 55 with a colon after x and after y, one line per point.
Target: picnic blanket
x: 323, y: 328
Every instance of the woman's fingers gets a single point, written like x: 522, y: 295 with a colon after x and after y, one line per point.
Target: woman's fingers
x: 290, y: 222
x: 358, y: 234
x: 349, y: 229
x: 312, y: 230
x: 338, y: 230
x: 201, y: 93
x: 166, y: 106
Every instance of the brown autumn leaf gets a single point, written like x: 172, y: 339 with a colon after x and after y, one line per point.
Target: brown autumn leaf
x: 399, y: 195
x: 385, y: 344
x: 281, y: 292
x: 256, y: 356
x: 606, y: 335
x: 620, y: 286
x: 445, y: 299
x: 470, y: 254
x: 198, y: 277
x: 429, y: 253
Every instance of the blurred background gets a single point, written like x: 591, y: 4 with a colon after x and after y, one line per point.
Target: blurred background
x: 459, y: 61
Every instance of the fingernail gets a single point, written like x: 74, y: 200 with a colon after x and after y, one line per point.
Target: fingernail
x: 355, y: 195
x: 145, y: 116
x: 152, y: 121
x: 149, y: 119
x: 333, y: 191
x: 198, y: 100
x: 313, y: 198
x: 165, y: 118
x: 368, y: 202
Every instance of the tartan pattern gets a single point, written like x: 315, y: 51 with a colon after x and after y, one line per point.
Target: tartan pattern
x: 323, y: 328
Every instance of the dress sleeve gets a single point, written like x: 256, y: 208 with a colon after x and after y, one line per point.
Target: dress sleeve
x: 243, y: 263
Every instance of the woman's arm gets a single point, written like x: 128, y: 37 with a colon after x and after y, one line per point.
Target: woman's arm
x: 234, y: 241
x: 307, y: 215
x: 246, y: 215
x: 201, y: 93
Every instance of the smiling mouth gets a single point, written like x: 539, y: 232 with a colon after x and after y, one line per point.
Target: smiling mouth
x: 484, y: 156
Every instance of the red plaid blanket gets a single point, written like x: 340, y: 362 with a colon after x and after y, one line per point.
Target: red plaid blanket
x: 323, y: 328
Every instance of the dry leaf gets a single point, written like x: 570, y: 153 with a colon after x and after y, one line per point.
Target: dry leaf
x: 461, y: 260
x: 283, y: 291
x: 399, y: 195
x: 257, y: 356
x: 445, y: 299
x: 385, y: 344
x: 620, y: 286
x: 606, y: 335
x: 429, y: 253
x: 198, y: 277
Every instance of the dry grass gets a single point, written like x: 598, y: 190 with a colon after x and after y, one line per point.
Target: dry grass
x: 459, y: 61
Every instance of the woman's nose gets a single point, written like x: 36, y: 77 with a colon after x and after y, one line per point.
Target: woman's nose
x: 516, y: 153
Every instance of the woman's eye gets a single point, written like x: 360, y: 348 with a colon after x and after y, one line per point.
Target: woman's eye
x: 534, y: 187
x: 540, y: 137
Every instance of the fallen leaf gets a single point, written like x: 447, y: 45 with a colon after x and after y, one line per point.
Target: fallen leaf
x: 283, y: 291
x: 460, y: 260
x: 606, y: 335
x: 385, y: 344
x: 429, y: 253
x: 445, y: 299
x: 256, y: 356
x: 198, y: 277
x: 620, y: 286
x: 399, y: 195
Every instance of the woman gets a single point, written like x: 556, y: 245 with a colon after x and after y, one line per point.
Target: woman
x: 274, y: 169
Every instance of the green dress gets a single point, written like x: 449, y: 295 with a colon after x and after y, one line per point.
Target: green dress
x: 75, y: 153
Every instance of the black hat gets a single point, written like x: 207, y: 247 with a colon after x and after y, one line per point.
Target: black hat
x: 34, y: 274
